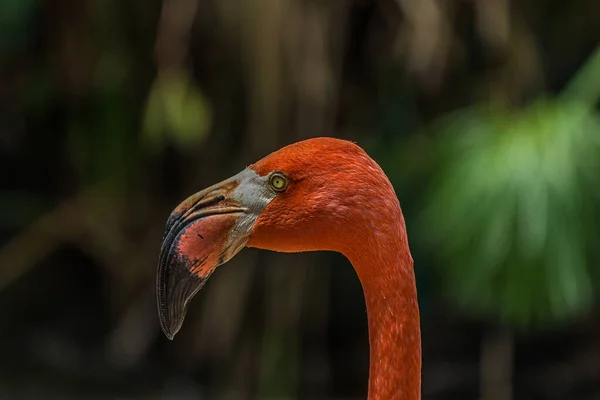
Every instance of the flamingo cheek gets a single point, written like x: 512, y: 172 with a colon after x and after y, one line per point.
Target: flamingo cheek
x: 199, y: 246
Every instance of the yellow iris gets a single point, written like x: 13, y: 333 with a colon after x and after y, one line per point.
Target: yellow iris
x: 278, y: 182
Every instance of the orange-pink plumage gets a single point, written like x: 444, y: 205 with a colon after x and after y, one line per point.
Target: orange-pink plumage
x: 337, y: 198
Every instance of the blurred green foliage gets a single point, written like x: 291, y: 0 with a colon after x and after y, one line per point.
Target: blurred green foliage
x: 512, y: 216
x: 176, y: 112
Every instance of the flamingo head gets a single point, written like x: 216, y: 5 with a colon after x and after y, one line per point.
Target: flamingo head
x: 303, y: 197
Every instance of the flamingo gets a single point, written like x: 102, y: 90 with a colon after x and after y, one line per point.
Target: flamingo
x: 317, y: 194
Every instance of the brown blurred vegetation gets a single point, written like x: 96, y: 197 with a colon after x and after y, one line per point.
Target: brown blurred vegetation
x: 114, y: 111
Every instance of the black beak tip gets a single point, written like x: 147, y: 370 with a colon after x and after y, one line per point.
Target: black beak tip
x: 170, y: 335
x: 168, y: 327
x: 176, y: 286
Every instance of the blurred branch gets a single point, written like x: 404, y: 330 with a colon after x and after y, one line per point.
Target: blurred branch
x: 261, y: 41
x: 497, y: 365
x: 90, y: 219
x: 312, y: 56
x: 493, y: 20
x: 427, y: 37
x: 174, y: 30
x: 42, y: 237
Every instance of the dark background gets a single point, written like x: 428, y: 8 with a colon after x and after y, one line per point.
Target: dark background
x: 483, y: 113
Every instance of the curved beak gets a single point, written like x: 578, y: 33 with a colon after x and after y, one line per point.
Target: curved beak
x: 204, y: 231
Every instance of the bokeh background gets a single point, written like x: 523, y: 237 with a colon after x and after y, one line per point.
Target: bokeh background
x: 484, y: 114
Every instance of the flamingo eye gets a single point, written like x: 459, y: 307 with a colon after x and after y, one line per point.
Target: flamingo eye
x: 278, y: 182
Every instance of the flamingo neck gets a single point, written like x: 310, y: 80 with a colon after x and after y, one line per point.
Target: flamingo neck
x: 385, y: 268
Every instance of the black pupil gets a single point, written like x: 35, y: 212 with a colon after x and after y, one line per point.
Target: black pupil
x: 278, y: 182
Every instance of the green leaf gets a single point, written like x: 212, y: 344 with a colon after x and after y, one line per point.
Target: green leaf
x: 176, y: 112
x: 510, y: 212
